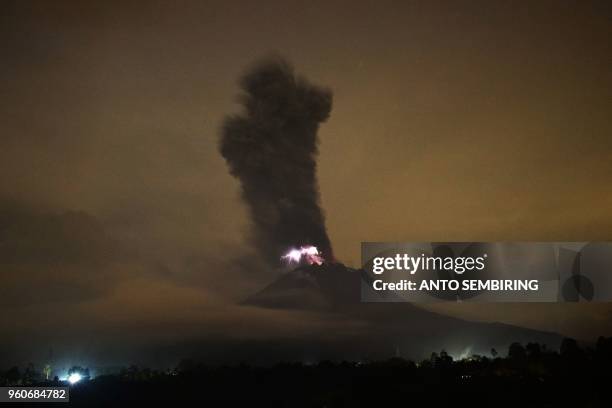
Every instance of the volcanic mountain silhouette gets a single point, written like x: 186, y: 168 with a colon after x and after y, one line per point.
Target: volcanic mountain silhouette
x: 336, y: 289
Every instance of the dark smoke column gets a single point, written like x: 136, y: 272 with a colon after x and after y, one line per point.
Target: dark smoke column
x: 271, y: 148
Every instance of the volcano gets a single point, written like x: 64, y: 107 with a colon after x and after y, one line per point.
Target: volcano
x: 335, y: 289
x: 271, y: 147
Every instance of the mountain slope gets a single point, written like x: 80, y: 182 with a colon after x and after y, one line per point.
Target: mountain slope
x: 415, y: 332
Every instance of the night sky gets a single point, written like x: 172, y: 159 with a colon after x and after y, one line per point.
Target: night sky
x: 120, y: 224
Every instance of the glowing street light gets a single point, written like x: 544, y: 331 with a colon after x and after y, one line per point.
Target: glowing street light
x: 74, y: 378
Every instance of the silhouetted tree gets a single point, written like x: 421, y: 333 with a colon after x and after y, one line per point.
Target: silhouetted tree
x: 30, y: 375
x: 516, y: 352
x: 533, y: 350
x: 569, y: 348
x: 13, y: 375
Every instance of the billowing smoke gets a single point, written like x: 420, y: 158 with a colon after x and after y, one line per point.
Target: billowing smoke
x: 271, y: 147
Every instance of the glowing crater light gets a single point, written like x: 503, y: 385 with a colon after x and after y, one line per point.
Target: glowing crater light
x: 308, y: 253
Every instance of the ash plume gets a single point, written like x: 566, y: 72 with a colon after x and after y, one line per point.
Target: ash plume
x: 271, y: 147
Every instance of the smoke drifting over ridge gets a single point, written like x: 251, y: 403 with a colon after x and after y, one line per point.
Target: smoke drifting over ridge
x: 271, y: 148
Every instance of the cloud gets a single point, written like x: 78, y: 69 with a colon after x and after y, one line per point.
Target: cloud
x: 54, y: 257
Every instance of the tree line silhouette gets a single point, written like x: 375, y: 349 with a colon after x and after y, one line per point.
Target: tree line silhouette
x: 529, y: 375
